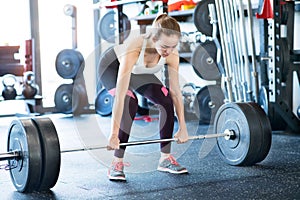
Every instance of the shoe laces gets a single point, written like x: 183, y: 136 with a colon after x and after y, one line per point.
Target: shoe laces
x: 172, y: 160
x: 119, y: 165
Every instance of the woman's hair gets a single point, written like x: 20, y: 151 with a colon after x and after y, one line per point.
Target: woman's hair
x: 165, y: 24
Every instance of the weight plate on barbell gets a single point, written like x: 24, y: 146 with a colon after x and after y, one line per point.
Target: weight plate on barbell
x: 240, y: 118
x: 26, y: 171
x: 104, y: 103
x: 50, y: 152
x: 201, y: 17
x: 266, y: 132
x: 107, y: 29
x: 204, y: 61
x: 68, y: 63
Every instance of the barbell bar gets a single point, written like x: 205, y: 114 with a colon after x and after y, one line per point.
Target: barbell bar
x: 228, y: 134
x: 242, y: 131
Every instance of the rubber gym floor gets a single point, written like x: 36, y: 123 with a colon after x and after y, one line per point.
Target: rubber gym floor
x: 83, y: 175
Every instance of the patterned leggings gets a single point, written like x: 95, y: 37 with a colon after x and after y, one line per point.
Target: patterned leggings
x: 147, y: 85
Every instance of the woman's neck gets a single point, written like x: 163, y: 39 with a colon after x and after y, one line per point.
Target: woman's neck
x: 150, y: 48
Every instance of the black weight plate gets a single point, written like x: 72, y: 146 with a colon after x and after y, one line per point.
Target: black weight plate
x: 204, y: 63
x: 284, y: 59
x: 284, y: 13
x: 203, y: 101
x: 103, y: 103
x: 208, y: 100
x: 201, y: 17
x: 68, y: 63
x: 63, y: 98
x: 107, y: 29
x: 242, y: 119
x: 23, y: 136
x: 50, y: 150
x: 266, y: 132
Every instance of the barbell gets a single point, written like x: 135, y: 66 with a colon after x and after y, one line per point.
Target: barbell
x: 242, y: 130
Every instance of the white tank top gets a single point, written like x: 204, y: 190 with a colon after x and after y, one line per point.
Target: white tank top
x: 140, y: 68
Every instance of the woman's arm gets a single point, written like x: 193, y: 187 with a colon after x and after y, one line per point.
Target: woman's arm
x: 127, y: 56
x: 173, y: 66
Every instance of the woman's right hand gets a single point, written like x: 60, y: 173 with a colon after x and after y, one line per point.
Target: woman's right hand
x: 113, y: 143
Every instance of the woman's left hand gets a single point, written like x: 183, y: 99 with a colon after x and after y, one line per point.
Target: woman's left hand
x: 182, y: 135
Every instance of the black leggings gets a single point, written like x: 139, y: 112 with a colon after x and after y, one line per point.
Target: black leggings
x: 147, y: 85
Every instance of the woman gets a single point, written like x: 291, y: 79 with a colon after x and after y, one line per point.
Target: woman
x: 129, y: 68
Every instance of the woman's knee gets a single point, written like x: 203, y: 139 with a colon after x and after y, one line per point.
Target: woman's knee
x: 131, y: 102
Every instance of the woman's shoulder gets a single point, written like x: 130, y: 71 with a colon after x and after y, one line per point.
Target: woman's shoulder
x: 131, y: 44
x: 135, y: 42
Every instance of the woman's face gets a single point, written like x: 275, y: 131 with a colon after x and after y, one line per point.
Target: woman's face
x: 165, y: 45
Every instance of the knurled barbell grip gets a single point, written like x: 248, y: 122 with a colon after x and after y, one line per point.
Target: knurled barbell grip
x: 197, y: 137
x: 134, y: 143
